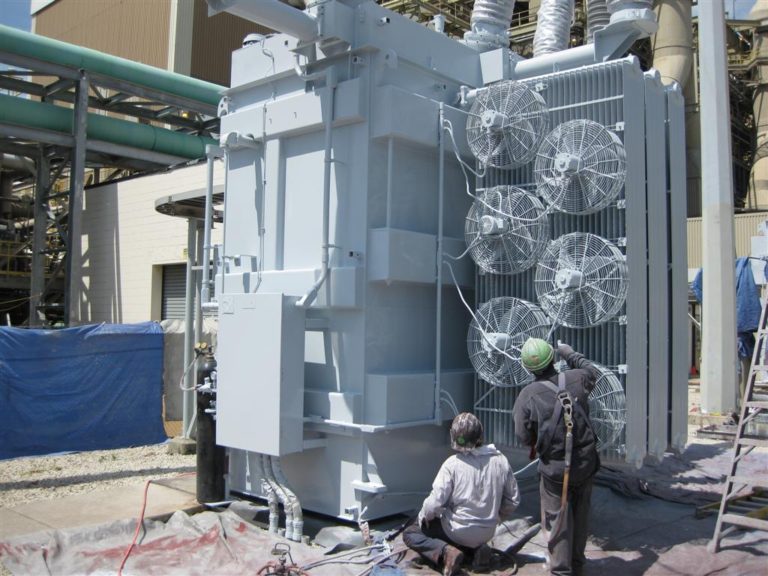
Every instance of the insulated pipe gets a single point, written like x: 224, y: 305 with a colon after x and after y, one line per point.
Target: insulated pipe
x: 306, y: 300
x: 490, y: 21
x: 298, y: 515
x: 553, y: 31
x: 19, y: 163
x: 281, y: 494
x: 26, y: 45
x: 272, y: 14
x: 22, y: 112
x: 673, y: 42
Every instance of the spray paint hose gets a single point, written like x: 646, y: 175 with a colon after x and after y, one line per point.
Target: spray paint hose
x: 139, y: 524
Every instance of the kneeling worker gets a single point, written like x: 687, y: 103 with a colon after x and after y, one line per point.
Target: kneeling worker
x: 472, y: 492
x: 552, y: 417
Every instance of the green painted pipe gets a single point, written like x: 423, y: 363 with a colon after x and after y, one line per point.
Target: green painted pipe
x: 53, y: 51
x: 32, y: 114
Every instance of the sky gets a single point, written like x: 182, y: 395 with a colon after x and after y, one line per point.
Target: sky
x: 16, y: 12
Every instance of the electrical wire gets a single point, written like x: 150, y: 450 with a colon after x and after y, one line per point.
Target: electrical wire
x: 448, y: 127
x: 448, y: 399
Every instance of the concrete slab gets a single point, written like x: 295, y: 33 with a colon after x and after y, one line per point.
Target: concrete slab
x: 13, y: 523
x: 164, y: 497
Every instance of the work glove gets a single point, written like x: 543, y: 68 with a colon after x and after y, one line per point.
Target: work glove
x: 422, y: 520
x: 564, y: 350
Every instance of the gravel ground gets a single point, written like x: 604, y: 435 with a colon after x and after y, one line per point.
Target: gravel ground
x: 25, y: 480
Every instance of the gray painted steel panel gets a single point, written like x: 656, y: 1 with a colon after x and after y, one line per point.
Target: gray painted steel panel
x: 658, y: 274
x: 678, y: 378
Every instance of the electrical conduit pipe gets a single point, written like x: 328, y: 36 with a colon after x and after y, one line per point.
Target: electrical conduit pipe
x: 298, y: 515
x: 22, y: 112
x: 330, y: 83
x: 282, y: 496
x: 257, y: 472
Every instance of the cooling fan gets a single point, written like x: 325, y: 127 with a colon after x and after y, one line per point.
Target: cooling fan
x: 506, y: 230
x: 506, y: 123
x: 581, y: 280
x: 607, y: 408
x: 497, y: 333
x: 580, y: 167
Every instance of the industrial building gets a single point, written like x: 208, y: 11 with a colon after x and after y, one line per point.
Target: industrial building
x: 373, y: 205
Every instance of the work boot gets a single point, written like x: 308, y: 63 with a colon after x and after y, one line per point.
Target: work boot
x: 452, y: 559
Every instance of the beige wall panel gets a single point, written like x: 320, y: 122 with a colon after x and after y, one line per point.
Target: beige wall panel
x: 125, y: 239
x: 744, y: 227
x: 214, y: 39
x: 133, y: 29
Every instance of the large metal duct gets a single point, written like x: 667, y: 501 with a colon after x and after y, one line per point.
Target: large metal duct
x: 553, y: 30
x: 490, y: 21
x: 673, y: 43
x: 270, y: 13
x: 759, y: 180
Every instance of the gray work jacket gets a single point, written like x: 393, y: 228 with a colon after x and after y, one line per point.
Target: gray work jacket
x: 471, y: 493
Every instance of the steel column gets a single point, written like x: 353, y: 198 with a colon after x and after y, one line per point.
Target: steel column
x: 718, y: 366
x: 37, y: 282
x: 188, y: 404
x: 76, y: 182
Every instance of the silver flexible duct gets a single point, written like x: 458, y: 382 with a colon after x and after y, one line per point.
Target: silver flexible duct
x: 553, y: 30
x: 490, y: 21
x: 597, y: 17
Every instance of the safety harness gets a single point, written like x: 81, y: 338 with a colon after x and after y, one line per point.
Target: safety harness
x: 563, y: 406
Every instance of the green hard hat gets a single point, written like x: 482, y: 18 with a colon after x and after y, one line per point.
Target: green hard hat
x: 536, y: 354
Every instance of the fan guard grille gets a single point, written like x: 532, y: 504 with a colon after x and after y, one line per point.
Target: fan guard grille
x: 506, y: 230
x: 506, y: 123
x: 506, y: 323
x: 580, y: 167
x: 607, y: 408
x: 581, y: 280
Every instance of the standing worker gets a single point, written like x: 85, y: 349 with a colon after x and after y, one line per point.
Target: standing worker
x: 472, y: 492
x: 552, y: 417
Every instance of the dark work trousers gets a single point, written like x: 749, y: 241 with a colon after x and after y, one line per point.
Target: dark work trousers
x: 430, y: 540
x: 566, y: 547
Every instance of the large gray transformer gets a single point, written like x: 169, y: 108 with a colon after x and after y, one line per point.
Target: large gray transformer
x: 342, y: 348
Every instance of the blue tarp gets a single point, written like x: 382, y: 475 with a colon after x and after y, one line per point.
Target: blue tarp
x: 748, y: 307
x: 86, y: 388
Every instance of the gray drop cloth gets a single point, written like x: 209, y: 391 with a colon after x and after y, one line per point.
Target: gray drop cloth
x: 205, y: 544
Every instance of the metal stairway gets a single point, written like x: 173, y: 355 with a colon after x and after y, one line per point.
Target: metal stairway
x: 736, y: 511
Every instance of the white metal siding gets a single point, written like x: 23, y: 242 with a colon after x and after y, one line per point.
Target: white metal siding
x: 124, y: 238
x: 744, y: 227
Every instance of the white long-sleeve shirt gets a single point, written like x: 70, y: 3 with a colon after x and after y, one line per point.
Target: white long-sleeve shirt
x: 472, y: 491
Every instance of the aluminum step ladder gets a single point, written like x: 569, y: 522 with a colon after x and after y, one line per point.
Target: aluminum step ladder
x: 733, y: 510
